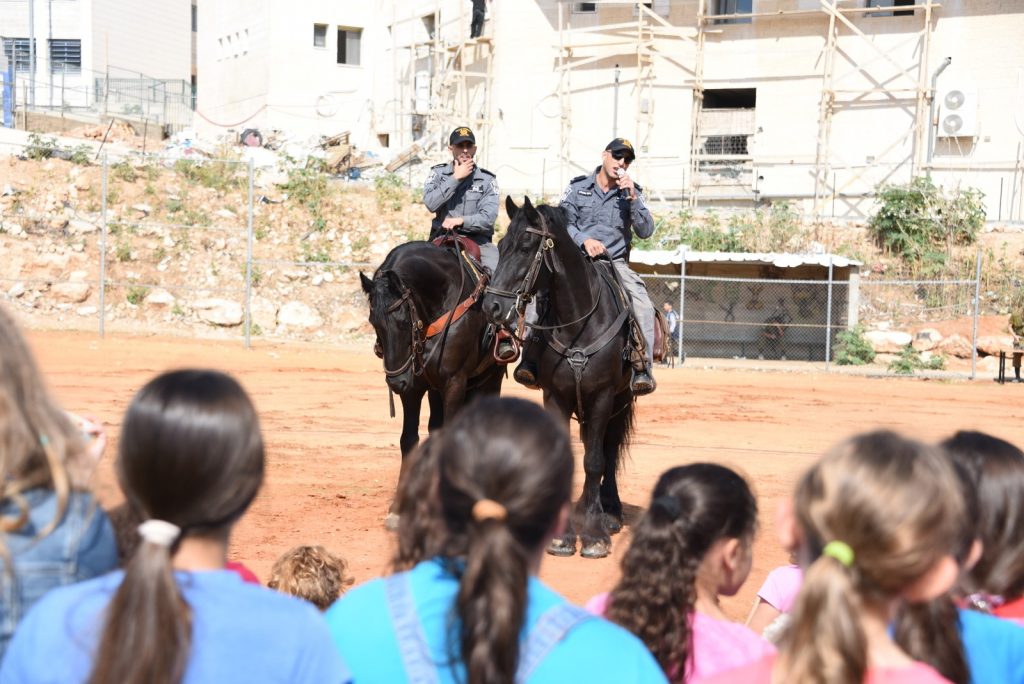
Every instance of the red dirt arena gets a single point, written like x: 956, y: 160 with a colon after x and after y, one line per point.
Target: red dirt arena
x: 333, y: 449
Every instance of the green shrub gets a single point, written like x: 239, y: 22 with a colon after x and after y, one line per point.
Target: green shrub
x: 124, y: 171
x: 216, y: 175
x: 40, y: 147
x: 390, y: 191
x: 136, y: 294
x: 909, y: 361
x: 852, y: 348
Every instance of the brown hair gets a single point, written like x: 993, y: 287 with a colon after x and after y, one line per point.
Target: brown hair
x: 515, y: 454
x: 996, y: 468
x: 692, y: 507
x: 897, y: 504
x: 312, y: 573
x: 419, y: 511
x: 190, y: 454
x: 38, y: 441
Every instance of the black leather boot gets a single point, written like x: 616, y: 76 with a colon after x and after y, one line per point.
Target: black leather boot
x: 526, y: 372
x: 643, y: 383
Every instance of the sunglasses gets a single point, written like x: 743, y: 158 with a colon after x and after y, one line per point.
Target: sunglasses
x: 619, y: 155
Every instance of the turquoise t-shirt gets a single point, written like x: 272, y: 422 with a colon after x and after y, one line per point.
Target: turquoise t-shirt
x: 240, y: 633
x: 363, y: 631
x: 994, y: 648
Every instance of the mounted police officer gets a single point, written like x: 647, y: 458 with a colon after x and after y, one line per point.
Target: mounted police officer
x: 604, y: 209
x: 464, y: 197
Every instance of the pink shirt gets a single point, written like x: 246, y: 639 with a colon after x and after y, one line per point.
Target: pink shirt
x: 761, y: 671
x: 781, y: 587
x: 718, y: 645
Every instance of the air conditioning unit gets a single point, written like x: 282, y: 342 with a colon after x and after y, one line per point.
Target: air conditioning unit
x: 958, y: 113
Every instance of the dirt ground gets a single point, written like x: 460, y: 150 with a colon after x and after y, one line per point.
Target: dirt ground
x: 333, y: 449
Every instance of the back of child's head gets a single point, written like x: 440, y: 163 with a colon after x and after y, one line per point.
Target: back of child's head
x: 874, y: 516
x: 996, y: 468
x: 692, y: 508
x: 312, y: 573
x: 504, y: 477
x: 190, y: 462
x: 419, y: 534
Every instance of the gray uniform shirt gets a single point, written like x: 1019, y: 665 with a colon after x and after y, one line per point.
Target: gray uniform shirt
x: 475, y: 199
x: 605, y: 216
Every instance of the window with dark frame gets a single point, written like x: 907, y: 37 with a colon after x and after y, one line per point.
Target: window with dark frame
x: 584, y: 7
x: 732, y: 7
x: 349, y: 45
x: 888, y: 5
x: 320, y: 35
x: 18, y: 53
x: 65, y: 56
x: 727, y: 144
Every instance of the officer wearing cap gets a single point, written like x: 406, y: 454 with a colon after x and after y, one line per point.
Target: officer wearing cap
x: 464, y: 197
x: 604, y: 209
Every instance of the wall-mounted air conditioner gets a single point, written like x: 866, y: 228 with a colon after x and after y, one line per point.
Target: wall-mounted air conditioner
x: 958, y: 113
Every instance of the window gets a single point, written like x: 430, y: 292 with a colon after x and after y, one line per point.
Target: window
x: 65, y: 56
x: 584, y: 7
x: 429, y: 25
x: 349, y: 40
x: 732, y: 7
x: 730, y: 98
x: 891, y: 3
x: 17, y: 52
x: 660, y: 7
x: 726, y: 124
x: 320, y: 35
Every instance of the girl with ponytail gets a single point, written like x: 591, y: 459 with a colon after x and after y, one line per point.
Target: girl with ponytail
x: 468, y: 607
x: 190, y: 463
x: 691, y: 546
x: 876, y: 523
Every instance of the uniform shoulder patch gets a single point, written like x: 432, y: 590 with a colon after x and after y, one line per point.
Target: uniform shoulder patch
x: 577, y: 179
x: 439, y: 166
x: 638, y: 187
x: 485, y: 171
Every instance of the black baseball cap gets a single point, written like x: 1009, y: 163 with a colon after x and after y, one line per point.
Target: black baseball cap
x: 622, y: 145
x: 460, y: 135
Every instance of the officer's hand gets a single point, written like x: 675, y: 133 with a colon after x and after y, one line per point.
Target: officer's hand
x: 624, y: 182
x: 463, y: 169
x: 593, y: 248
x: 452, y: 222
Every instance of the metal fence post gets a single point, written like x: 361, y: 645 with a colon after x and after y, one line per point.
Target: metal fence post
x: 682, y: 304
x: 977, y: 308
x: 103, y: 245
x: 828, y: 316
x: 248, y: 260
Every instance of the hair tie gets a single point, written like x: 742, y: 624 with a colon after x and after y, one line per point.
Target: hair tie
x: 839, y: 550
x: 488, y: 509
x: 670, y: 505
x: 159, y: 532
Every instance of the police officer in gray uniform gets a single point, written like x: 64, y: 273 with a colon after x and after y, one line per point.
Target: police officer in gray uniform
x: 604, y: 209
x: 464, y: 197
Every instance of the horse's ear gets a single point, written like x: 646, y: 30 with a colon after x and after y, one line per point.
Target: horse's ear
x: 366, y: 282
x: 510, y: 207
x: 532, y: 215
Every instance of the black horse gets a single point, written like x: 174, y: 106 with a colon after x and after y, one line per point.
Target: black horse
x: 581, y: 366
x: 431, y: 333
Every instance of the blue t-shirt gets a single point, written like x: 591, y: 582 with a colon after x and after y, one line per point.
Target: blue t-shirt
x: 994, y: 648
x: 363, y: 631
x: 240, y: 633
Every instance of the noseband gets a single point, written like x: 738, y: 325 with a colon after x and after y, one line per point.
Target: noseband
x: 523, y: 295
x: 415, y: 360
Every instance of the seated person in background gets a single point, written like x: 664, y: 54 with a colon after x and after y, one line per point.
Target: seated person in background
x: 774, y: 600
x: 312, y: 573
x: 692, y: 545
x: 53, y: 531
x: 475, y: 612
x: 191, y: 462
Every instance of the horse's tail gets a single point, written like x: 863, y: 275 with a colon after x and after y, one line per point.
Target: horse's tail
x: 620, y: 431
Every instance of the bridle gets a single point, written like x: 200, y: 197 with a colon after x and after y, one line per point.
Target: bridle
x: 416, y: 344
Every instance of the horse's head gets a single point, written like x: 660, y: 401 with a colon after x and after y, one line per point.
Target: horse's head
x: 524, y: 261
x: 398, y: 326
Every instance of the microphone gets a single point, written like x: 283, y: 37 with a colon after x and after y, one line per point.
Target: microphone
x: 623, y: 192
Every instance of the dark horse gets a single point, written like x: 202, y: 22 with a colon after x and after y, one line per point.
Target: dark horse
x: 431, y: 333
x: 581, y: 366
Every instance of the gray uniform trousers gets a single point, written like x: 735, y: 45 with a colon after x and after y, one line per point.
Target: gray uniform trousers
x: 642, y: 307
x: 489, y: 256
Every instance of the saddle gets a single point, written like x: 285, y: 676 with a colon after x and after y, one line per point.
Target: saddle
x: 660, y: 343
x: 453, y: 239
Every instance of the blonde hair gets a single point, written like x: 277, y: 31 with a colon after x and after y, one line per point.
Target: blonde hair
x: 898, y: 505
x: 312, y: 573
x: 37, y: 438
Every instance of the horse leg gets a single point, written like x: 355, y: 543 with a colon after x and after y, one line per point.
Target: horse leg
x: 615, y: 436
x: 454, y: 395
x: 594, y: 537
x: 436, y: 410
x: 411, y: 403
x: 564, y: 545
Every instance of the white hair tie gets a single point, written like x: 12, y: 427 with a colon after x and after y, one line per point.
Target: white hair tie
x: 159, y: 532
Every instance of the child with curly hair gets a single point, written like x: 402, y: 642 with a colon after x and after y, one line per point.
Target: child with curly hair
x: 312, y: 573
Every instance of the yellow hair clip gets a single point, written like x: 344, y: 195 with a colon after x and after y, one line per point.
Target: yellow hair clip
x: 839, y: 550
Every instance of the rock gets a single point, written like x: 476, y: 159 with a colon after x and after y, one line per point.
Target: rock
x: 58, y: 223
x: 12, y: 228
x: 16, y: 290
x: 888, y: 341
x: 328, y: 277
x: 294, y: 273
x: 318, y: 280
x: 159, y: 298
x: 81, y: 227
x: 75, y: 293
x: 993, y: 344
x: 299, y: 315
x: 225, y: 213
x: 263, y: 313
x: 926, y: 339
x: 78, y: 276
x: 82, y: 183
x: 86, y: 310
x: 956, y: 345
x: 142, y: 208
x: 219, y: 311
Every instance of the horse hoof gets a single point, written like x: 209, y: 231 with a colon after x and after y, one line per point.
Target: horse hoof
x: 595, y: 550
x: 612, y: 523
x: 391, y: 522
x: 559, y: 547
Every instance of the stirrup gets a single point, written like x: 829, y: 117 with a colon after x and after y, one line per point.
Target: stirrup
x: 642, y: 383
x: 526, y: 374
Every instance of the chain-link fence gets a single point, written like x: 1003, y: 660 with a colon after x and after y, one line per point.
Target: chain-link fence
x: 822, y: 321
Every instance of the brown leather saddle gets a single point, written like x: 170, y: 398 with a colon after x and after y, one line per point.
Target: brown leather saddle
x: 468, y: 246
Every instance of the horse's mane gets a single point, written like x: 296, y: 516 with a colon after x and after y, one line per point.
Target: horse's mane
x: 555, y: 216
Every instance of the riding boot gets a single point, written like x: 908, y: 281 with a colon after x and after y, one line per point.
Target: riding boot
x: 643, y: 382
x: 526, y: 372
